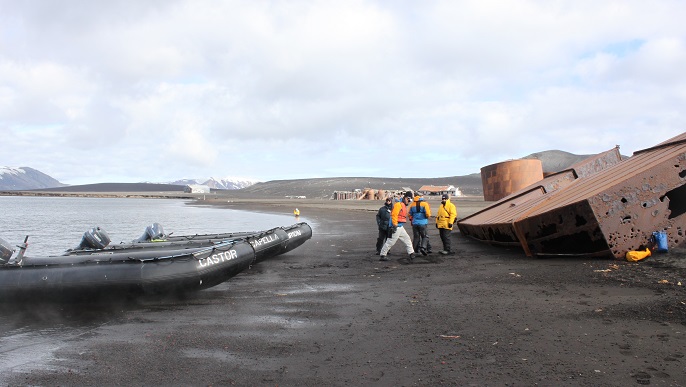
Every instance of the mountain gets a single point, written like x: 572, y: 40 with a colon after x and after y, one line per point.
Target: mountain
x: 22, y: 178
x: 323, y: 188
x: 183, y: 182
x: 229, y: 183
x: 556, y: 160
x: 225, y: 183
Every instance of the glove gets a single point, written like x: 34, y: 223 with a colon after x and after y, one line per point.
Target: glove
x: 392, y: 230
x: 436, y: 225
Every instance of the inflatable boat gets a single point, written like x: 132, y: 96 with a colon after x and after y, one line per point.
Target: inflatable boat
x: 151, y: 268
x: 266, y: 243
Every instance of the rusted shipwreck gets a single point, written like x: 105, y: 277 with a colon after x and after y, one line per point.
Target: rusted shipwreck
x: 601, y: 206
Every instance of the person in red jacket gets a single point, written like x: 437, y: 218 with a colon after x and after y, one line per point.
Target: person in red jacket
x: 399, y: 216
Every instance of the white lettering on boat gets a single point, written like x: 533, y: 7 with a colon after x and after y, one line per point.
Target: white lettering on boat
x: 295, y: 233
x: 218, y: 258
x: 263, y: 240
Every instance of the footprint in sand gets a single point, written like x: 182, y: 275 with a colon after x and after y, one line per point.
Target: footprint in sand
x: 641, y: 377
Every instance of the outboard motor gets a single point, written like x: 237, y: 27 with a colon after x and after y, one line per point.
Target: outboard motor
x: 154, y: 232
x: 95, y: 239
x: 6, y: 251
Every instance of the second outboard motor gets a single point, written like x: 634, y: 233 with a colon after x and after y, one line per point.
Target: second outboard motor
x: 6, y: 251
x: 154, y: 232
x: 95, y: 238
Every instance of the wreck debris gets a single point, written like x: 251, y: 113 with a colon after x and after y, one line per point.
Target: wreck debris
x: 368, y: 194
x: 601, y: 206
x: 358, y: 194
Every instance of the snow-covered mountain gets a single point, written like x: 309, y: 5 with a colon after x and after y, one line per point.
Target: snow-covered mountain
x: 223, y: 183
x: 25, y: 178
x: 229, y: 183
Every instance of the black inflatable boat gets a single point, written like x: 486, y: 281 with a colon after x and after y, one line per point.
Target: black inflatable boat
x: 267, y: 243
x: 132, y: 271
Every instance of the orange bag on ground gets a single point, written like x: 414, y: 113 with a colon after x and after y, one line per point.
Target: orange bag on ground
x: 635, y: 256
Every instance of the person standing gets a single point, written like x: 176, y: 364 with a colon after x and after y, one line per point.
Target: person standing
x: 445, y: 218
x: 420, y: 212
x: 383, y: 219
x: 396, y: 230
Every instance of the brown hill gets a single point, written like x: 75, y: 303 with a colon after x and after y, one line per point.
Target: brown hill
x: 323, y: 188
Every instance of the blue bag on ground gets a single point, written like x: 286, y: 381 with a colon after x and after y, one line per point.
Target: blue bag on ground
x: 660, y: 239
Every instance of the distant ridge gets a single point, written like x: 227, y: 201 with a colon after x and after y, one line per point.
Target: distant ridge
x: 116, y: 187
x: 323, y: 188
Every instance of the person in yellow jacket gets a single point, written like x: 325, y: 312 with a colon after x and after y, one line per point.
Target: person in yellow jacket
x: 445, y: 218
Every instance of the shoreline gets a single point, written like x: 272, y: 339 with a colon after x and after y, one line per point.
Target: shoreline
x: 123, y: 195
x: 465, y: 205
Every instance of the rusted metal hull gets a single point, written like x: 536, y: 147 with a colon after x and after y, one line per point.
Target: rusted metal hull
x: 603, y: 206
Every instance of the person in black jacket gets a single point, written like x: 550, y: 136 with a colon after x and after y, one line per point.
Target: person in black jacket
x: 383, y: 218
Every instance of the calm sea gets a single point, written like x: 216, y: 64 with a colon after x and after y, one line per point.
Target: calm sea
x: 55, y: 224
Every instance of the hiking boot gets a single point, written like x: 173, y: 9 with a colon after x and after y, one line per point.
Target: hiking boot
x: 443, y: 252
x: 412, y: 256
x: 423, y: 251
x: 384, y: 258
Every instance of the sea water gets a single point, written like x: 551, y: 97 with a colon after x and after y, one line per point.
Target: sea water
x: 55, y: 224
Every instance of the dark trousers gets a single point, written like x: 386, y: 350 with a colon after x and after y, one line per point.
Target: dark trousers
x: 445, y: 238
x: 381, y: 239
x: 420, y: 238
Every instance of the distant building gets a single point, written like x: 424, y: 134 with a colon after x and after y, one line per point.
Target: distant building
x: 196, y: 188
x: 431, y: 190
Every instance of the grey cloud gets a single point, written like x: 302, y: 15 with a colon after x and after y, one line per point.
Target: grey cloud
x: 479, y: 80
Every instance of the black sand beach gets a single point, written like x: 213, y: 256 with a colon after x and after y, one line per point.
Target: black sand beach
x: 329, y: 313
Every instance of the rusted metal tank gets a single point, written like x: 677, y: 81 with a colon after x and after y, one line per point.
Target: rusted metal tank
x: 380, y: 194
x: 502, y: 179
x: 602, y: 206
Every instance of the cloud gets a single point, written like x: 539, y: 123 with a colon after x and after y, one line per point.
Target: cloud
x: 157, y: 90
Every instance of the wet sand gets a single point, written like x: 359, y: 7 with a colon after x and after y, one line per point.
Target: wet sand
x: 329, y: 313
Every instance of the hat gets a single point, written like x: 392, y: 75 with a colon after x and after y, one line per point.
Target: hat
x: 445, y: 196
x: 408, y: 194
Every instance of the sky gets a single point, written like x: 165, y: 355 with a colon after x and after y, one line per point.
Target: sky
x: 160, y: 90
